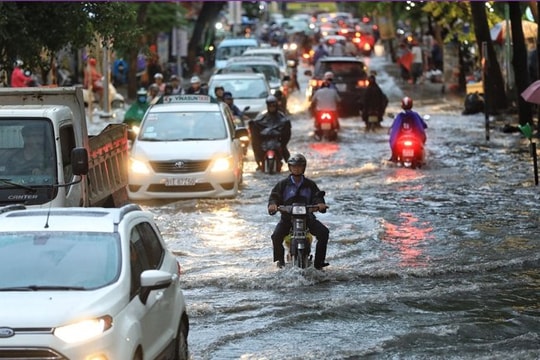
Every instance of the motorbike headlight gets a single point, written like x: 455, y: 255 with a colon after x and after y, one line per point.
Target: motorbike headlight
x: 298, y: 210
x: 83, y: 330
x: 138, y: 166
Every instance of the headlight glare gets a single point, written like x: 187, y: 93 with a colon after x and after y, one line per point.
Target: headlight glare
x: 83, y: 330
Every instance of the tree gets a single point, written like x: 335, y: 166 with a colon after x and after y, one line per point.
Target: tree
x: 206, y: 19
x: 519, y: 62
x: 495, y: 93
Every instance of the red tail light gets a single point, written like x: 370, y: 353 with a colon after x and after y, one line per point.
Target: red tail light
x: 408, y: 143
x: 270, y: 154
x: 326, y: 116
x: 362, y: 83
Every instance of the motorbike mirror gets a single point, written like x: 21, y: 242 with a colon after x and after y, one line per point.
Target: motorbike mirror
x: 246, y: 108
x: 427, y: 117
x: 390, y: 115
x: 308, y: 73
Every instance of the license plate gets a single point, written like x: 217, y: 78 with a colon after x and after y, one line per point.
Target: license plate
x: 408, y: 152
x: 179, y: 182
x: 326, y: 126
x: 341, y: 87
x: 373, y: 118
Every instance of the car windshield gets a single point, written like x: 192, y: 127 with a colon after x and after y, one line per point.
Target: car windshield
x: 225, y: 52
x: 276, y: 57
x: 183, y: 126
x: 269, y: 71
x: 341, y: 69
x: 243, y: 88
x: 58, y: 260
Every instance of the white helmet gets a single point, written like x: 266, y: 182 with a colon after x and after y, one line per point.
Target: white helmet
x: 18, y: 63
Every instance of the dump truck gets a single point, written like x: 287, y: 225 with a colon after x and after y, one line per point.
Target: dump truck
x: 47, y: 157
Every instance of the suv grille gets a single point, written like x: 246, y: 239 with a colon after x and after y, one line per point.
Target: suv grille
x: 30, y: 353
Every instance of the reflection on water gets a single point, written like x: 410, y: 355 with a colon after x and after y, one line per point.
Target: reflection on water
x: 408, y: 237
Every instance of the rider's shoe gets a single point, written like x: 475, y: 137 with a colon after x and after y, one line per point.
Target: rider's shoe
x: 281, y: 264
x: 321, y: 266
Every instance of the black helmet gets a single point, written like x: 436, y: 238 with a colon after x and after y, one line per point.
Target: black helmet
x: 297, y: 159
x: 219, y: 87
x: 271, y: 100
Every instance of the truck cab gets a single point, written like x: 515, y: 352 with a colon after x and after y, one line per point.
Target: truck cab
x: 47, y: 157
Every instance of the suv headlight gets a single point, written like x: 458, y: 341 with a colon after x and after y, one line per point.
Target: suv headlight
x: 83, y: 330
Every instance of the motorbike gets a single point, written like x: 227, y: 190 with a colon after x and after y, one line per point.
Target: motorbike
x: 298, y: 242
x: 272, y: 155
x: 409, y: 150
x: 326, y: 125
x: 373, y: 122
x: 240, y: 121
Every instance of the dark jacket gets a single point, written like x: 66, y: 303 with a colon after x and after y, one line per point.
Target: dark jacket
x: 375, y: 102
x: 285, y: 192
x: 278, y: 122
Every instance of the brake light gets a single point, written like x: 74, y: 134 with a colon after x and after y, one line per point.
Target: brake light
x: 326, y: 116
x: 356, y: 40
x: 367, y: 47
x: 362, y: 83
x: 407, y: 143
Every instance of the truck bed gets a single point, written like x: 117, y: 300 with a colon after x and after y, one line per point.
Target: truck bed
x: 108, y: 161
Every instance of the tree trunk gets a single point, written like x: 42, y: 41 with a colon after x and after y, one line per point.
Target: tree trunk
x: 133, y: 54
x: 519, y: 62
x: 494, y: 84
x: 207, y: 17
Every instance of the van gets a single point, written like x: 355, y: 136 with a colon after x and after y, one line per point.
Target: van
x: 233, y: 47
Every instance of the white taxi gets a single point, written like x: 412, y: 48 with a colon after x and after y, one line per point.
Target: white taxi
x: 187, y: 147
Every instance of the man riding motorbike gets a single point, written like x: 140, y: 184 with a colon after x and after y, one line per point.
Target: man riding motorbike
x: 284, y: 193
x: 327, y: 99
x: 136, y: 111
x: 407, y: 118
x: 266, y: 124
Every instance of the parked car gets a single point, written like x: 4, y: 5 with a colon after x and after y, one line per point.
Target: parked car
x: 247, y: 90
x: 256, y: 65
x: 88, y: 283
x: 187, y: 147
x: 350, y: 79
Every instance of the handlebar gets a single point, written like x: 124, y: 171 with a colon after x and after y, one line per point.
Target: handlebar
x: 287, y: 209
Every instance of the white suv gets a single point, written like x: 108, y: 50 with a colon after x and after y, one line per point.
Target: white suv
x: 88, y: 283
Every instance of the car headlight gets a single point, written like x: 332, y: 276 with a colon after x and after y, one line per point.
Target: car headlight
x: 138, y: 167
x: 222, y: 164
x: 83, y: 330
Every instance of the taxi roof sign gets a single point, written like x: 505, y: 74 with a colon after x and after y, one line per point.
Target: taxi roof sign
x: 169, y: 99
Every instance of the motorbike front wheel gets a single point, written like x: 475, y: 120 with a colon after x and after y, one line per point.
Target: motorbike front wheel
x: 301, y: 259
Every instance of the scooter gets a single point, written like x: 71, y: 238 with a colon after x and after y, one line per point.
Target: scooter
x: 299, y: 240
x: 326, y: 125
x: 409, y: 150
x: 373, y: 122
x: 272, y: 156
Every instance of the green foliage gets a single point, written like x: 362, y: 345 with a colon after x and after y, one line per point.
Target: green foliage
x: 33, y: 31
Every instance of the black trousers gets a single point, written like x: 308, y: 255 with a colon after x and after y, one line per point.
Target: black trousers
x: 316, y: 228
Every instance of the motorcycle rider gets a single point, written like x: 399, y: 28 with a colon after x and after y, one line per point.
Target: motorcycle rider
x: 18, y: 77
x: 265, y: 123
x: 284, y: 193
x: 407, y: 119
x: 326, y: 98
x: 136, y: 111
x: 375, y: 101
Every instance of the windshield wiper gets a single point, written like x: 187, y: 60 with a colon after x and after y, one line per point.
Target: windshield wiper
x: 42, y: 287
x: 19, y: 186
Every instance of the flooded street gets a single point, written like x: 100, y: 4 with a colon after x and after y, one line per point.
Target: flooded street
x: 437, y: 262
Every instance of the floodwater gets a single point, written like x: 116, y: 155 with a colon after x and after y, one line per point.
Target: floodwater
x: 434, y: 263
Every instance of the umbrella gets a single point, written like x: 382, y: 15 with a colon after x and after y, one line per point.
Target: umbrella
x: 532, y: 93
x: 498, y: 31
